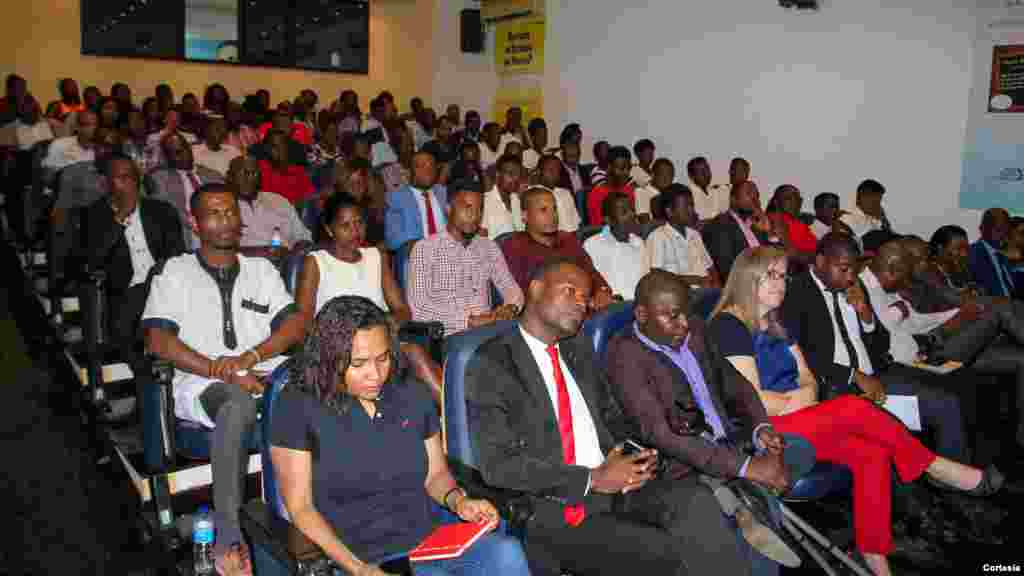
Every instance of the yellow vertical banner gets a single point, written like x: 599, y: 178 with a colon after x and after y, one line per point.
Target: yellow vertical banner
x: 530, y: 100
x: 519, y: 47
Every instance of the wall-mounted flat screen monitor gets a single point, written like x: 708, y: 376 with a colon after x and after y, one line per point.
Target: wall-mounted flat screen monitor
x: 323, y: 35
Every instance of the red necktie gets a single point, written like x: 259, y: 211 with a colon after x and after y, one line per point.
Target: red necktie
x: 431, y: 225
x: 573, y: 514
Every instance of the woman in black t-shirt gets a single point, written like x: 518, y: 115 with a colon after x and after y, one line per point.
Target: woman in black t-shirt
x: 356, y: 448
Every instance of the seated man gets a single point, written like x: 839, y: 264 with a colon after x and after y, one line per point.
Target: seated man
x: 709, y: 200
x: 279, y: 175
x: 736, y: 229
x: 71, y: 149
x: 828, y: 300
x: 618, y: 254
x: 223, y: 320
x: 450, y: 272
x: 525, y: 251
x: 538, y: 131
x: 642, y: 172
x: 415, y: 210
x: 532, y: 395
x: 868, y: 215
x: 213, y: 153
x: 663, y: 174
x: 661, y: 373
x: 970, y: 334
x: 619, y: 162
x: 264, y: 214
x: 676, y: 247
x: 827, y: 216
x: 990, y: 267
x: 502, y: 204
x: 125, y: 236
x: 177, y: 182
x: 549, y: 173
x: 81, y: 183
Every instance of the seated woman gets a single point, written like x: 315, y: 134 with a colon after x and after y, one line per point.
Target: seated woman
x: 354, y: 178
x: 347, y: 267
x: 847, y: 430
x: 356, y: 447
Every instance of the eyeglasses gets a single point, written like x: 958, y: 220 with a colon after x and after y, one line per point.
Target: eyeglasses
x: 775, y: 276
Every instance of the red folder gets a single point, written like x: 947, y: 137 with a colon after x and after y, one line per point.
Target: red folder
x: 450, y: 540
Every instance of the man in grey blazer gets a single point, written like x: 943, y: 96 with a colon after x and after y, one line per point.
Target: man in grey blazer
x: 176, y: 182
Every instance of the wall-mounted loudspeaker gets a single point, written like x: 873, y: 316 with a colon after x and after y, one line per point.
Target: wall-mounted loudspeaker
x: 471, y: 31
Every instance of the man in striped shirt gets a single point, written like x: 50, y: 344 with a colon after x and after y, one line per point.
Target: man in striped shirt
x: 451, y: 272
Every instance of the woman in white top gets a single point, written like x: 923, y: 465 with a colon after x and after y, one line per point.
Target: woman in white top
x: 346, y: 267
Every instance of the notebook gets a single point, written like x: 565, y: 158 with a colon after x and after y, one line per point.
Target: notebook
x: 450, y: 540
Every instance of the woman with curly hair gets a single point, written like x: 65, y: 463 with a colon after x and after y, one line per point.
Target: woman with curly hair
x: 356, y: 447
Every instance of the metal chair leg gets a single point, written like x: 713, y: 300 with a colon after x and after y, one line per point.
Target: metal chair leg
x: 811, y: 549
x: 824, y: 542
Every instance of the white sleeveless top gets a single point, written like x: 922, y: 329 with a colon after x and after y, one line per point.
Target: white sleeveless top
x: 340, y: 278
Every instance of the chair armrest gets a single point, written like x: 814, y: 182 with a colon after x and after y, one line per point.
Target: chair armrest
x: 158, y: 421
x: 283, y: 541
x: 515, y: 507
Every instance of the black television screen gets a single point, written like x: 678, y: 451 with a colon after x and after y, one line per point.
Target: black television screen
x: 325, y: 35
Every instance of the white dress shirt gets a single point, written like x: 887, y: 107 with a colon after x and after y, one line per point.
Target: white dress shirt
x: 709, y: 204
x: 65, y: 152
x: 901, y: 329
x: 440, y: 219
x: 138, y: 248
x: 861, y: 223
x: 842, y: 357
x: 644, y: 195
x: 565, y: 205
x: 588, y: 447
x: 530, y: 159
x: 639, y: 176
x: 819, y: 229
x: 671, y: 251
x: 489, y: 157
x: 217, y: 160
x: 622, y: 264
x: 498, y: 219
x: 28, y: 134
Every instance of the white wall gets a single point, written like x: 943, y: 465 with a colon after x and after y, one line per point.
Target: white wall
x: 469, y: 80
x: 863, y: 88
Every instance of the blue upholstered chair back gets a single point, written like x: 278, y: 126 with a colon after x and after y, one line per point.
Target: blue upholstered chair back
x: 600, y: 328
x: 459, y: 350
x: 400, y: 264
x: 278, y: 380
x: 293, y: 267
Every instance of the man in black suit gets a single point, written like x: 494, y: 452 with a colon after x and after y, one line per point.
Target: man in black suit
x: 124, y: 236
x: 741, y: 226
x: 535, y: 397
x: 849, y: 350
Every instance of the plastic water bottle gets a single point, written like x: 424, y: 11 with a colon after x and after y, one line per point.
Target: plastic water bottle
x: 275, y: 239
x: 202, y: 542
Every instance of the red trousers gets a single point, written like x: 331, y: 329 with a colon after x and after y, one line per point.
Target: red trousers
x: 869, y: 441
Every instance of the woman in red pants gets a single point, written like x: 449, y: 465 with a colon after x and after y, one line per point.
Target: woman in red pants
x: 847, y: 430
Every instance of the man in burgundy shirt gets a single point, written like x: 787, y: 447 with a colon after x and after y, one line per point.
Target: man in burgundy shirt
x: 279, y: 175
x: 541, y: 241
x: 619, y: 166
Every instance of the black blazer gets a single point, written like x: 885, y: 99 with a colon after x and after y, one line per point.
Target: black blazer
x: 515, y: 429
x: 724, y: 241
x: 808, y: 320
x: 101, y: 243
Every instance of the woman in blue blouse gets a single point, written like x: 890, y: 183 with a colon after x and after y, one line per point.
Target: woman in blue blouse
x: 356, y: 447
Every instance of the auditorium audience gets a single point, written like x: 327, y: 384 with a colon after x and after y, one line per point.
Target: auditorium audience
x: 538, y: 131
x: 221, y: 350
x: 617, y: 252
x: 513, y: 130
x: 987, y: 263
x: 356, y: 447
x: 213, y: 153
x: 70, y: 102
x: 663, y: 175
x: 857, y: 359
x: 82, y: 183
x: 417, y: 209
x: 264, y: 214
x: 797, y: 237
x: 541, y: 240
x: 491, y: 148
x: 533, y: 395
x: 676, y: 398
x: 345, y: 266
x: 739, y: 172
x: 574, y: 176
x: 450, y: 272
x: 502, y: 203
x: 677, y: 248
x: 619, y: 163
x: 846, y: 430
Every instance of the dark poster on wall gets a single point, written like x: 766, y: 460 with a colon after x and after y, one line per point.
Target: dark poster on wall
x: 1006, y: 92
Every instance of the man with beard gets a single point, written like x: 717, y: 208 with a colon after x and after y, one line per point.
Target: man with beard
x: 740, y: 227
x: 222, y: 346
